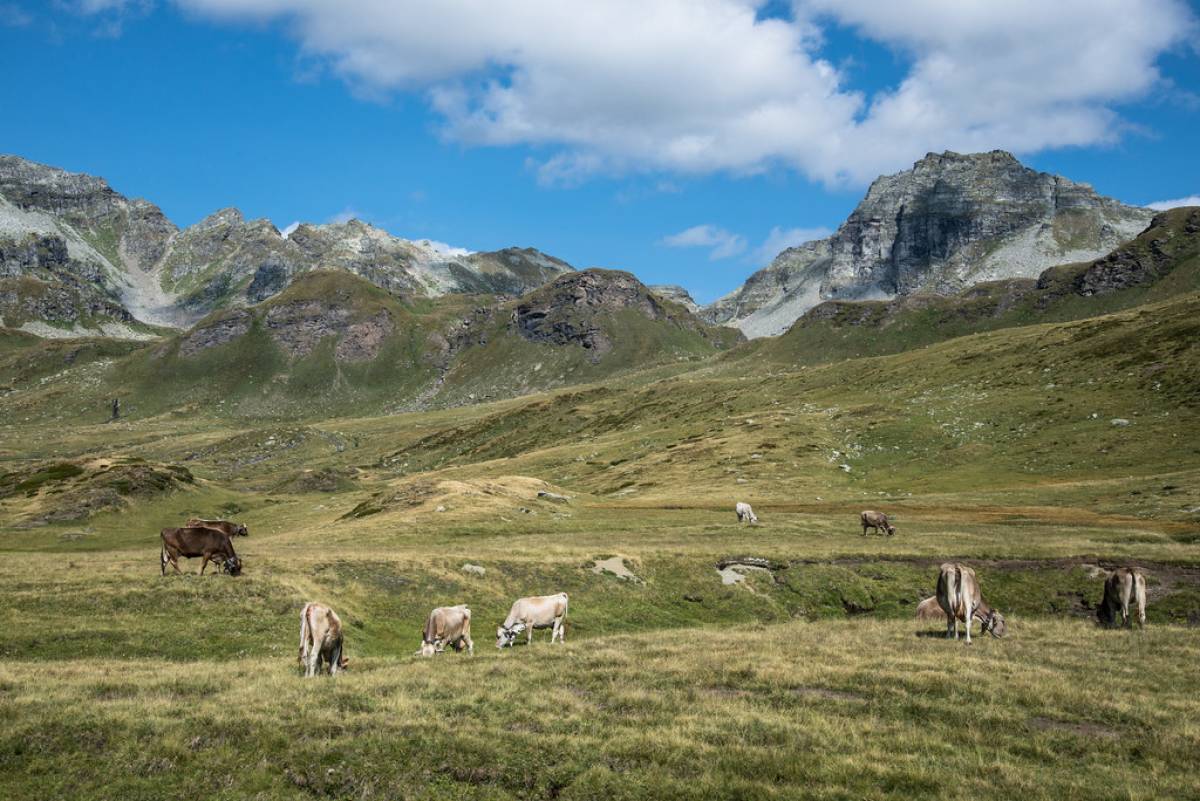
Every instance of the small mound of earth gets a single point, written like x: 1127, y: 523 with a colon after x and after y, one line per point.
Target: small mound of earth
x: 64, y: 491
x: 490, y: 496
x: 616, y: 566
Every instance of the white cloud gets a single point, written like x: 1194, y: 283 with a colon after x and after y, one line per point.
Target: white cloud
x: 695, y: 86
x: 345, y: 215
x: 780, y: 239
x: 1163, y: 205
x: 721, y: 243
x: 442, y: 249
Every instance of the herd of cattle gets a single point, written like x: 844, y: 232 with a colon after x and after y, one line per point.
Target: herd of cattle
x: 958, y: 598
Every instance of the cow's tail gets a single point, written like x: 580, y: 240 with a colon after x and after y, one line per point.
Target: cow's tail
x: 303, y: 633
x: 163, y: 558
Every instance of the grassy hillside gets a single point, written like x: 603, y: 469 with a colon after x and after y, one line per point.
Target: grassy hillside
x: 1160, y: 264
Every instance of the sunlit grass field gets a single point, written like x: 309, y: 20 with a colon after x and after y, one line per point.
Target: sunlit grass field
x: 809, y: 679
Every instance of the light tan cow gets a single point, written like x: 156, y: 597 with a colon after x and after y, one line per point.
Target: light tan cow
x: 321, y: 639
x: 1123, y: 585
x: 958, y: 595
x: 447, y: 626
x: 536, y: 612
x: 745, y: 513
x: 931, y: 610
x: 877, y: 521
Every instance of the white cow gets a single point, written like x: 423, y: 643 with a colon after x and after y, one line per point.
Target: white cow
x: 447, y: 626
x: 745, y: 513
x: 958, y: 595
x: 536, y: 612
x: 320, y: 638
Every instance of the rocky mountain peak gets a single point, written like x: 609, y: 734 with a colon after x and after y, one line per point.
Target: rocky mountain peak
x: 951, y: 221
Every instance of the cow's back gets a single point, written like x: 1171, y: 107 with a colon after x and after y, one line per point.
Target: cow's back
x: 956, y: 583
x: 447, y: 622
x: 195, y: 540
x: 538, y: 609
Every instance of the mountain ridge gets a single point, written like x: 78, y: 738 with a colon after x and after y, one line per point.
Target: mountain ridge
x: 121, y: 260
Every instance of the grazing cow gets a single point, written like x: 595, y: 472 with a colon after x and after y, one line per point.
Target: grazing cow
x: 930, y: 609
x: 1121, y: 586
x: 958, y: 595
x: 321, y: 640
x: 537, y: 612
x: 193, y: 541
x: 877, y: 521
x: 232, y: 529
x: 447, y: 625
x: 745, y: 513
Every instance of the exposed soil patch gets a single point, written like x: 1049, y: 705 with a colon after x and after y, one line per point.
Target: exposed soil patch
x: 616, y: 566
x: 736, y: 573
x: 1082, y: 729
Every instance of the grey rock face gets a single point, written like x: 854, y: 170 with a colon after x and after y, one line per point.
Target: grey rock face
x: 951, y: 221
x: 677, y: 294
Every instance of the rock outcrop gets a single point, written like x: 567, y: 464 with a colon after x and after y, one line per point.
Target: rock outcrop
x: 951, y: 221
x: 580, y: 308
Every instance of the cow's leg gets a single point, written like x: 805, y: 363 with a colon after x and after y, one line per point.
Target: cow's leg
x: 970, y: 617
x: 314, y: 661
x: 470, y: 645
x: 1139, y: 592
x: 529, y: 639
x: 951, y: 627
x: 203, y: 564
x: 335, y: 660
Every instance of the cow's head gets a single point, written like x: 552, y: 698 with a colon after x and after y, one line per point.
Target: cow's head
x: 507, y: 635
x: 891, y: 530
x: 753, y: 517
x: 994, y: 624
x: 343, y: 662
x: 428, y: 648
x: 242, y: 531
x: 233, y: 566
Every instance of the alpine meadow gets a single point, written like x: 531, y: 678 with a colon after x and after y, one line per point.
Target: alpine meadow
x: 912, y: 512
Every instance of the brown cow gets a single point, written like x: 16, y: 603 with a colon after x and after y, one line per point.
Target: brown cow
x: 232, y: 529
x: 193, y: 541
x: 1123, y: 585
x: 321, y: 639
x: 877, y: 521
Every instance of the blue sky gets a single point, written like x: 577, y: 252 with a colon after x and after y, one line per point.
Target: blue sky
x: 687, y: 145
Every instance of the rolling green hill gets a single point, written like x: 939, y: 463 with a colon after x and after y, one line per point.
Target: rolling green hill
x: 334, y: 344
